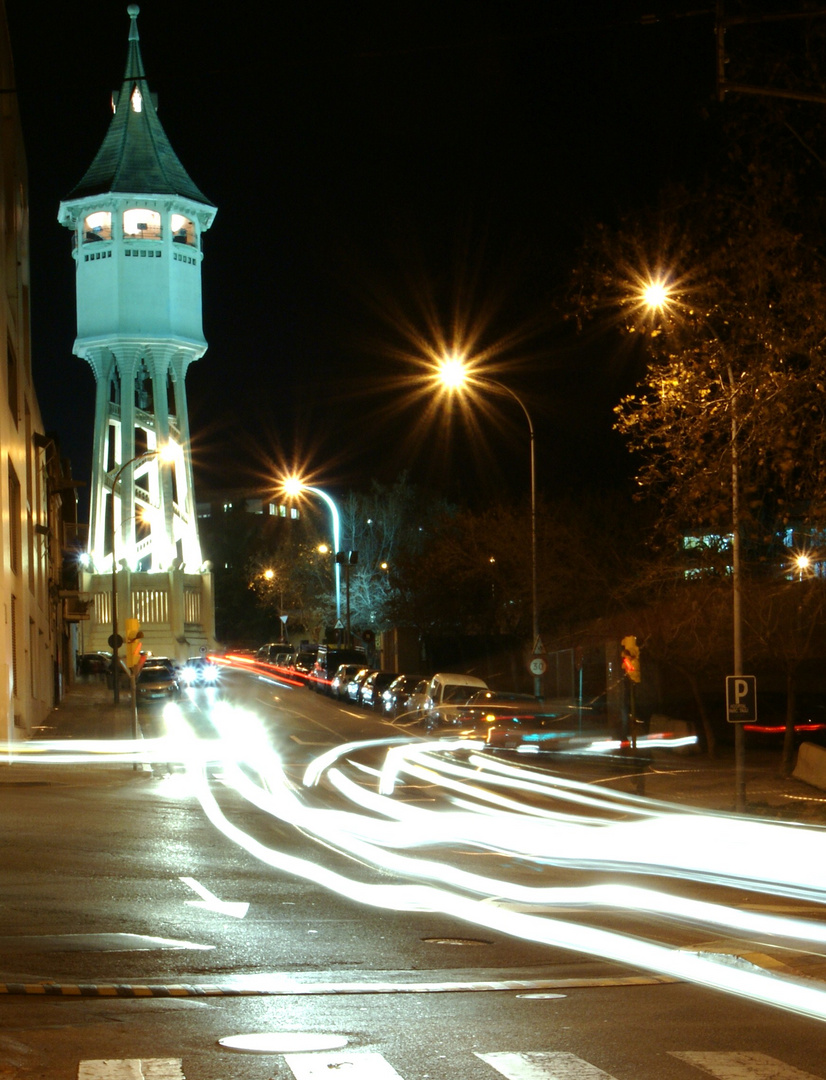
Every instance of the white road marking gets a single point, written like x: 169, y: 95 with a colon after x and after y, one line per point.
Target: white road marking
x: 544, y: 1066
x: 358, y: 1066
x: 210, y: 902
x: 741, y: 1066
x: 131, y: 1069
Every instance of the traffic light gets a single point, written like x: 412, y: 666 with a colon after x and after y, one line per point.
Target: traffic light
x: 631, y: 658
x: 134, y: 638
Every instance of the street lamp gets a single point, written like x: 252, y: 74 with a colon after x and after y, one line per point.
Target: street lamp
x: 293, y: 486
x: 454, y: 376
x: 166, y: 453
x: 656, y: 294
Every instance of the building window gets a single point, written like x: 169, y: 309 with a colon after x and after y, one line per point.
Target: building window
x: 183, y: 230
x: 97, y: 226
x: 14, y: 520
x: 15, y: 688
x: 142, y: 224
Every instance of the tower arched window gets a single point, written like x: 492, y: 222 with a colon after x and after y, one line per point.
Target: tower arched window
x: 141, y: 224
x: 183, y: 230
x: 97, y: 226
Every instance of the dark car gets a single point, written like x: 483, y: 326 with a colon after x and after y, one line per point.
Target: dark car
x: 199, y: 671
x: 156, y: 684
x: 327, y: 662
x: 372, y: 687
x: 354, y: 685
x: 394, y: 698
x: 95, y: 663
x: 343, y: 674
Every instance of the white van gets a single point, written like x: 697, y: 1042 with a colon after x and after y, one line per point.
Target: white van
x: 447, y: 688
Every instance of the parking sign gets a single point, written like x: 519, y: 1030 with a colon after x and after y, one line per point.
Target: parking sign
x: 741, y: 699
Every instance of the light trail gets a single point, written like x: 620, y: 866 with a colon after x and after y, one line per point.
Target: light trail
x: 504, y: 812
x: 328, y: 826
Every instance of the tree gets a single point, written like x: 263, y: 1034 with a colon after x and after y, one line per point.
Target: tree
x: 385, y: 526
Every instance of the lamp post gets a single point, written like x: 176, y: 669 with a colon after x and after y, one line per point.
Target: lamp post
x: 293, y: 486
x: 115, y: 641
x: 657, y: 295
x: 454, y: 376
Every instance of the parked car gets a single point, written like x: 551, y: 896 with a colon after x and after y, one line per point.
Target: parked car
x: 445, y: 691
x: 327, y: 661
x: 371, y: 688
x: 199, y: 671
x: 156, y: 684
x: 161, y: 661
x: 343, y: 674
x: 303, y: 663
x: 270, y: 652
x: 354, y: 685
x: 95, y: 663
x: 395, y: 697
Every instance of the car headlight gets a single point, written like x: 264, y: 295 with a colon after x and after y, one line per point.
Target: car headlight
x: 189, y: 675
x: 210, y: 674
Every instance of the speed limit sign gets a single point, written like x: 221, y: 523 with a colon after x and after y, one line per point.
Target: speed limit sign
x: 537, y: 666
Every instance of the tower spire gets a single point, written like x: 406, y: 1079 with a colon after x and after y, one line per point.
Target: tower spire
x: 136, y: 154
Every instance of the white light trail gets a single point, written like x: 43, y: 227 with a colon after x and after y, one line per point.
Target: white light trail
x: 504, y: 813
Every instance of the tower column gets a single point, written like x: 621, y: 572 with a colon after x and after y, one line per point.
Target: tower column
x: 192, y: 546
x: 97, y: 502
x: 126, y: 499
x: 162, y: 434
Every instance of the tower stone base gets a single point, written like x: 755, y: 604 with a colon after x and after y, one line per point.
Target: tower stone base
x: 176, y: 611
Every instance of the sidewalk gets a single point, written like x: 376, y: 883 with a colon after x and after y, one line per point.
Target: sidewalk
x: 88, y: 712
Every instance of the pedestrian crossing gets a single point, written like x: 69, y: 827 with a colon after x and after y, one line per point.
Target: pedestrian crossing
x: 531, y: 1065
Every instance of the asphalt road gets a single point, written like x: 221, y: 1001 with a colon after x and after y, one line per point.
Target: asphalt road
x: 115, y: 883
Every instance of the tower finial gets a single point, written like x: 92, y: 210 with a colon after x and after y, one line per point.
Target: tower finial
x: 133, y: 11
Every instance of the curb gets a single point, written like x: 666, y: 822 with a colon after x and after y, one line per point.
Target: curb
x: 183, y: 990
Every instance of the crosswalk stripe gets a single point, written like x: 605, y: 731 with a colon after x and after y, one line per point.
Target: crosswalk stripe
x: 544, y: 1065
x: 131, y: 1069
x: 357, y: 1065
x: 741, y: 1066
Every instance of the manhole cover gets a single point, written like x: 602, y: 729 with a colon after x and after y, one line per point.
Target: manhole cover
x: 453, y: 941
x: 283, y: 1042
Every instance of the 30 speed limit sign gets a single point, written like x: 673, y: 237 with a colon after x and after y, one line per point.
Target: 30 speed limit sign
x: 537, y: 666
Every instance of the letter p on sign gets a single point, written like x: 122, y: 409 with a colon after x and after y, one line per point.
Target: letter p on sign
x: 741, y: 699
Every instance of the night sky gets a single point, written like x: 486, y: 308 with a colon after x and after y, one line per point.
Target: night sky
x: 386, y: 175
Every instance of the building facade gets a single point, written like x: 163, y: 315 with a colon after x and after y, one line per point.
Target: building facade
x: 33, y: 486
x: 137, y: 222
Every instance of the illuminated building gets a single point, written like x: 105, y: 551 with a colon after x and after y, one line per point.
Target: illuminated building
x: 137, y: 221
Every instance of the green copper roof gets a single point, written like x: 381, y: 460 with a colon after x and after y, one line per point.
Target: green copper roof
x: 136, y: 156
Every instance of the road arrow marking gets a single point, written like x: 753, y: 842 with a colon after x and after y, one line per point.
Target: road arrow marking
x: 210, y: 902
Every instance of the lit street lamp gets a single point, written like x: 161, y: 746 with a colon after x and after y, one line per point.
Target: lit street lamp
x: 454, y: 376
x: 657, y: 295
x: 294, y: 487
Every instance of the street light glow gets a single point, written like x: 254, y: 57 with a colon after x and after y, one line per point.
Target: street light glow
x: 452, y: 372
x: 656, y: 294
x: 292, y: 486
